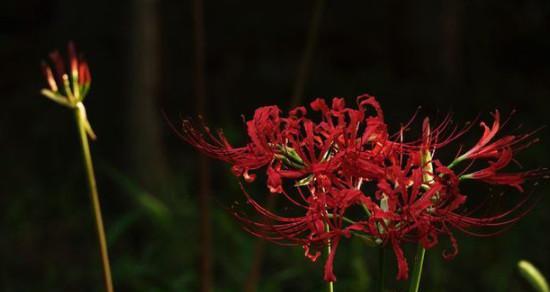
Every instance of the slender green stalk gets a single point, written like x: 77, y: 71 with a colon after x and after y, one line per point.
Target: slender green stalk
x: 427, y: 179
x: 417, y: 269
x: 381, y: 265
x: 81, y: 124
x: 329, y: 250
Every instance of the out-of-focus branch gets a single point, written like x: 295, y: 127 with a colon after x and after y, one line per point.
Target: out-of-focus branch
x: 307, y: 55
x: 143, y: 124
x: 252, y: 280
x: 451, y: 50
x: 205, y: 265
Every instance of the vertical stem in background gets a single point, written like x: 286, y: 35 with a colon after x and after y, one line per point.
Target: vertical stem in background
x: 96, y: 206
x: 451, y: 46
x: 147, y: 155
x: 251, y: 282
x: 307, y: 55
x: 417, y: 269
x: 204, y: 167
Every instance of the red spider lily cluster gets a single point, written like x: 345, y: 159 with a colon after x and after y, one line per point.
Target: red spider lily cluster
x: 348, y: 162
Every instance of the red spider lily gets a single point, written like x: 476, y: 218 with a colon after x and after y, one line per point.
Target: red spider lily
x: 498, y: 153
x: 313, y: 156
x: 421, y: 198
x: 69, y: 89
x: 331, y: 164
x: 74, y: 87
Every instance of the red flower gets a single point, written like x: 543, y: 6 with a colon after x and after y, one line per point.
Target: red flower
x: 73, y: 87
x: 420, y: 198
x: 264, y: 134
x: 69, y: 89
x: 316, y: 157
x: 498, y: 153
x: 347, y: 160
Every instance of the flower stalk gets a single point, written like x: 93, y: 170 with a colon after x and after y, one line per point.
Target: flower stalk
x: 71, y: 94
x: 82, y: 124
x: 329, y: 250
x: 417, y: 269
x: 427, y: 179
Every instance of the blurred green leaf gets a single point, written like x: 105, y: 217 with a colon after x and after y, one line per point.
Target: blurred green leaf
x: 533, y: 276
x: 119, y: 226
x: 154, y: 207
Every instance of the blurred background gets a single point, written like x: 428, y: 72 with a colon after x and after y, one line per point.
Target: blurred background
x: 154, y: 61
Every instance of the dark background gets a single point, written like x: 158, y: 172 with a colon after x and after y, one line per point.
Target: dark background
x: 468, y: 57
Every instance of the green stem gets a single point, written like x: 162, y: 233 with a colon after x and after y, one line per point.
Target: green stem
x: 329, y: 250
x: 453, y: 164
x: 381, y: 264
x: 417, y: 269
x: 344, y: 218
x: 81, y: 123
x: 330, y: 285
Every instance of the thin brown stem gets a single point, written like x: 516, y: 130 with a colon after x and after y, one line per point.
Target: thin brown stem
x: 96, y: 206
x: 252, y: 280
x: 307, y: 55
x: 204, y: 167
x: 205, y: 228
x: 259, y: 252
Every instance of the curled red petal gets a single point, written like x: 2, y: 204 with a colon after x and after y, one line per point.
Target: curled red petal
x: 329, y: 264
x: 49, y: 77
x: 73, y: 58
x: 59, y: 64
x: 402, y: 265
x: 274, y: 182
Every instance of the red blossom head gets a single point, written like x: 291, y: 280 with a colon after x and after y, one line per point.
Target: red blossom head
x: 420, y: 198
x: 67, y: 88
x: 329, y: 168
